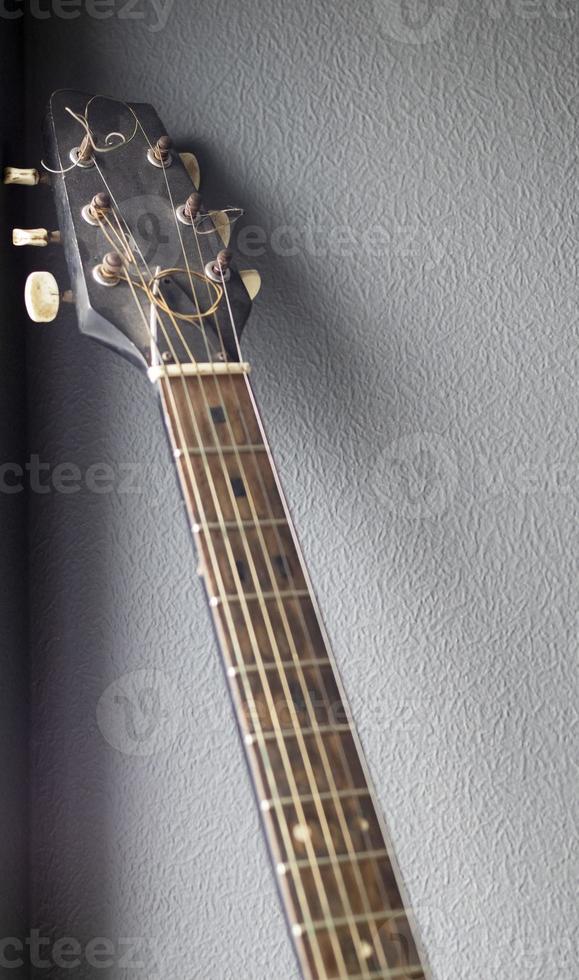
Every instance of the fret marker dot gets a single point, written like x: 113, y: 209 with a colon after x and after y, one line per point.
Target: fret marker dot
x: 249, y: 739
x: 265, y: 806
x: 281, y: 869
x: 302, y: 833
x: 363, y: 824
x: 232, y: 671
x: 238, y: 487
x: 298, y: 931
x: 196, y: 528
x: 366, y: 951
x: 178, y: 453
x: 218, y: 414
x: 214, y: 601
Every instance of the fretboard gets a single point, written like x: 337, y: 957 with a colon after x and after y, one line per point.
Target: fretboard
x: 334, y: 869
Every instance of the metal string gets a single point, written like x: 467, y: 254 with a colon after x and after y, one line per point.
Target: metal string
x: 336, y: 798
x: 259, y: 594
x: 316, y: 951
x: 264, y: 489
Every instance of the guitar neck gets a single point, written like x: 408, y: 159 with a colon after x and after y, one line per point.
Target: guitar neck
x: 333, y: 865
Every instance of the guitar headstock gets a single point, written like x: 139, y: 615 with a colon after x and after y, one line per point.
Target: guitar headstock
x: 150, y: 271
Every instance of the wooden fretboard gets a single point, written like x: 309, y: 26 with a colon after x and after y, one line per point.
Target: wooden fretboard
x: 333, y: 867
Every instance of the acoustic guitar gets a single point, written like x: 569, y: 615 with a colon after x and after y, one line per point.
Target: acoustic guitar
x: 176, y: 307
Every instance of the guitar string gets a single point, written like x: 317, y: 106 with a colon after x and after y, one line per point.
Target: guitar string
x: 193, y: 291
x: 344, y: 823
x: 286, y: 836
x: 297, y: 729
x: 325, y: 640
x: 263, y: 606
x: 205, y: 314
x: 377, y: 975
x: 336, y: 799
x: 271, y: 632
x: 322, y: 816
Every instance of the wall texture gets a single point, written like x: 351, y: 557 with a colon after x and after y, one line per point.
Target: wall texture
x: 415, y: 354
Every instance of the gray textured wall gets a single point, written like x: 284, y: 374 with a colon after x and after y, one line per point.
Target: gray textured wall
x: 416, y: 361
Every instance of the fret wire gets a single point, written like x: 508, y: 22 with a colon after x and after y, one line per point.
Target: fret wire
x: 306, y: 628
x: 288, y: 664
x: 234, y: 526
x: 265, y: 683
x: 348, y: 920
x: 286, y: 594
x: 342, y: 794
x: 339, y: 859
x: 389, y: 974
x: 316, y: 953
x: 302, y: 898
x: 213, y: 450
x: 266, y: 497
x: 233, y: 387
x: 303, y: 750
x: 233, y: 671
x: 290, y: 733
x: 325, y: 761
x: 316, y: 925
x: 259, y: 595
x: 210, y: 480
x: 285, y: 831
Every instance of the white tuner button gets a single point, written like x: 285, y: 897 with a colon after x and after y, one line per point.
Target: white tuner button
x: 251, y: 279
x: 35, y: 236
x: 16, y: 175
x: 189, y: 161
x: 42, y: 297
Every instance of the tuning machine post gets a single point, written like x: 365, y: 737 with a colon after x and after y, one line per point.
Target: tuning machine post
x: 160, y: 154
x: 98, y: 209
x: 187, y: 212
x: 219, y: 267
x: 111, y: 270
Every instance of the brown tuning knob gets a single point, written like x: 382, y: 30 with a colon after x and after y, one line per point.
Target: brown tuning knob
x: 223, y: 261
x: 101, y: 201
x: 191, y: 209
x: 160, y: 154
x: 97, y: 209
x: 187, y: 212
x: 111, y: 270
x: 219, y: 269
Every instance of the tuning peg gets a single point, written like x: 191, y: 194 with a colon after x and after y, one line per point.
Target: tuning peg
x: 219, y: 267
x: 189, y: 161
x: 160, y: 154
x: 42, y: 297
x: 35, y: 236
x: 26, y: 178
x: 251, y: 279
x: 222, y: 226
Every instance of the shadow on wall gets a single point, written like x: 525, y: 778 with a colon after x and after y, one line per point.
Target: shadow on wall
x: 13, y: 553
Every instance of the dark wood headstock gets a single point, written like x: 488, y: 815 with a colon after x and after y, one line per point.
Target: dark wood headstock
x: 119, y: 156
